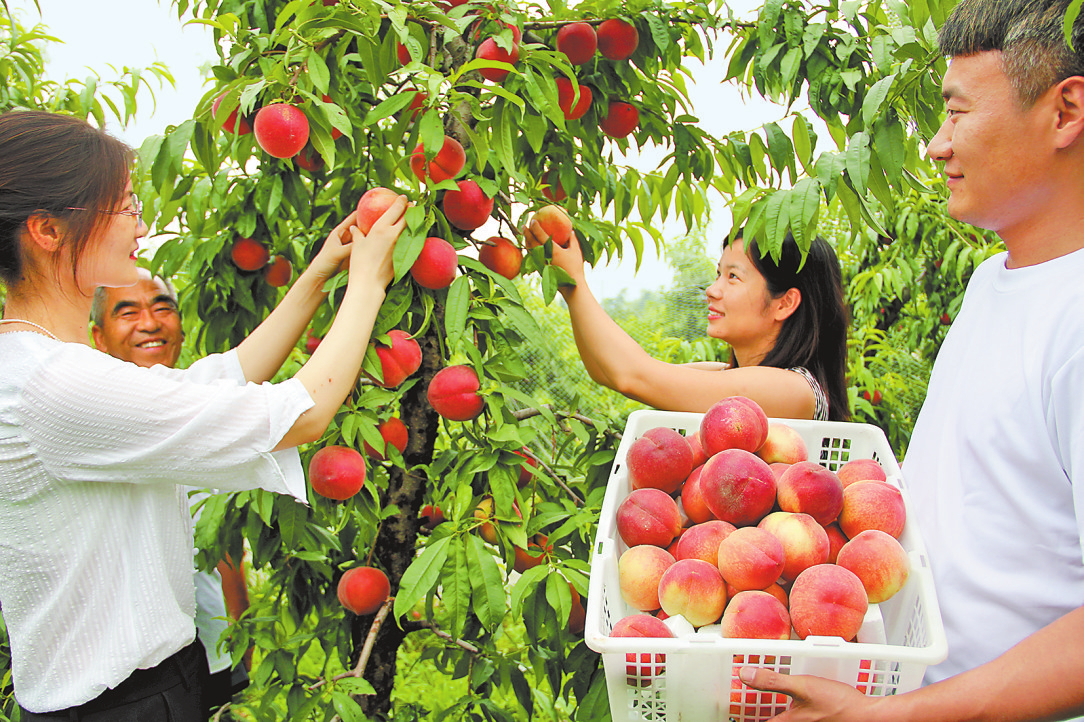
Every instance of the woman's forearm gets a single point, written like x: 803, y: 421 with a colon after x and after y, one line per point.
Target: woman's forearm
x: 607, y: 351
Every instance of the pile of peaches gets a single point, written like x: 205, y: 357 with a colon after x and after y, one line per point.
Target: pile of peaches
x: 734, y: 526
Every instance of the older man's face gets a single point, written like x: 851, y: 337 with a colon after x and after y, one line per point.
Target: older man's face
x: 141, y: 324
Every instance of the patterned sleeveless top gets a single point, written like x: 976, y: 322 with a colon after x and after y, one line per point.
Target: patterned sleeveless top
x: 820, y: 412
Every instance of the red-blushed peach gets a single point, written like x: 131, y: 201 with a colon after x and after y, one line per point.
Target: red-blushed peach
x: 486, y: 512
x: 394, y: 433
x: 701, y: 541
x: 860, y: 470
x: 565, y: 94
x: 694, y: 589
x: 436, y: 265
x: 809, y: 488
x: 278, y: 272
x: 501, y: 256
x: 872, y: 505
x: 692, y: 500
x: 577, y: 41
x: 363, y: 590
x: 525, y: 474
x: 398, y: 360
x: 445, y: 165
x: 783, y: 445
x: 750, y: 558
x: 778, y: 468
x: 281, y: 129
x: 648, y: 516
x: 805, y: 542
x: 490, y: 50
x: 737, y: 487
x: 779, y: 593
x: 453, y: 393
x: 248, y: 254
x: 556, y: 224
x: 467, y: 207
x: 879, y: 561
x: 659, y: 459
x: 577, y: 616
x: 621, y: 119
x: 640, y: 668
x: 699, y: 455
x: 827, y: 600
x: 735, y: 422
x: 232, y: 122
x: 336, y: 472
x: 639, y: 571
x: 672, y: 547
x: 372, y: 205
x: 836, y: 540
x: 753, y: 614
x: 538, y: 547
x: 617, y: 39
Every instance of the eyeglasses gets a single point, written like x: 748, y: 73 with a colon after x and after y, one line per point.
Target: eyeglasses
x: 136, y: 211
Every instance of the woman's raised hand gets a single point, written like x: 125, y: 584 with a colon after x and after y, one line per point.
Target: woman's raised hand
x: 570, y: 259
x: 372, y: 255
x: 333, y: 254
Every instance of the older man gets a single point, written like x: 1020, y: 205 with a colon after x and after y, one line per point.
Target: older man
x: 142, y: 324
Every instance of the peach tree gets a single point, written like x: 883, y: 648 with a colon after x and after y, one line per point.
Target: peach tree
x: 485, y: 113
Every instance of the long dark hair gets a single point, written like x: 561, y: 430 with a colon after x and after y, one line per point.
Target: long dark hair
x: 815, y: 335
x: 50, y: 163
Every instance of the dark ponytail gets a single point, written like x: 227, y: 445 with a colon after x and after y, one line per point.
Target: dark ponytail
x: 48, y: 164
x: 815, y: 335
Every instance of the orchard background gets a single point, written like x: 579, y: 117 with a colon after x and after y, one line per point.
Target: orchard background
x: 472, y: 633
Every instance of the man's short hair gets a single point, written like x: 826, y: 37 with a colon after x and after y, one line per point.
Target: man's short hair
x: 97, y: 306
x: 1030, y: 35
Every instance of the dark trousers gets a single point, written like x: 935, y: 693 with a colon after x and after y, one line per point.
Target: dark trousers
x: 170, y: 692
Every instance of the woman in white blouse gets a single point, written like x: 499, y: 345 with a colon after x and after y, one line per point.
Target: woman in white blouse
x: 95, y: 534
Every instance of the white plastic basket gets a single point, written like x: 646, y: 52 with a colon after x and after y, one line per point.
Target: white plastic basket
x: 693, y: 678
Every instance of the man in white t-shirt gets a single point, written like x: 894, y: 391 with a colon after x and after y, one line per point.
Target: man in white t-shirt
x: 142, y: 324
x: 995, y: 467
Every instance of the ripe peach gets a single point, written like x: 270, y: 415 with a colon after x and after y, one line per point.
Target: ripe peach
x: 827, y: 600
x: 556, y: 223
x: 641, y: 668
x: 278, y: 272
x: 233, y: 122
x: 879, y: 561
x: 249, y: 255
x: 694, y: 589
x: 363, y: 590
x: 565, y: 95
x: 308, y: 159
x: 525, y: 476
x: 336, y: 472
x: 782, y: 445
x: 699, y: 455
x: 617, y: 39
x: 578, y: 42
x: 282, y: 130
x: 648, y: 516
x: 453, y: 393
x: 394, y: 433
x: 398, y: 360
x: 750, y: 558
x: 753, y: 614
x: 490, y: 50
x: 446, y: 165
x: 778, y: 468
x: 812, y: 489
x: 432, y: 516
x: 660, y: 459
x: 372, y: 205
x: 312, y: 341
x: 435, y: 266
x: 535, y: 553
x: 836, y: 540
x: 501, y: 256
x: 639, y: 570
x: 621, y: 119
x: 805, y: 542
x: 872, y: 505
x: 553, y: 191
x: 335, y: 132
x: 733, y: 423
x: 692, y: 499
x: 468, y: 207
x: 577, y: 616
x: 701, y: 541
x: 485, y: 512
x: 860, y: 470
x: 779, y: 593
x: 737, y: 487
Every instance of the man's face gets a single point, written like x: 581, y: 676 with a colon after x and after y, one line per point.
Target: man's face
x: 141, y: 324
x: 996, y: 153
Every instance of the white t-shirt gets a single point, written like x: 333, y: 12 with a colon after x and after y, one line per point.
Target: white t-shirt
x: 994, y: 456
x: 95, y: 531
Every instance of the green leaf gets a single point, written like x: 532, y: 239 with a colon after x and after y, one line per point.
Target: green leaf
x: 858, y: 161
x: 318, y: 72
x: 456, y: 585
x: 421, y: 576
x: 875, y: 97
x: 291, y: 520
x: 456, y: 307
x: 490, y: 601
x: 1071, y: 14
x: 803, y: 143
x: 387, y: 108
